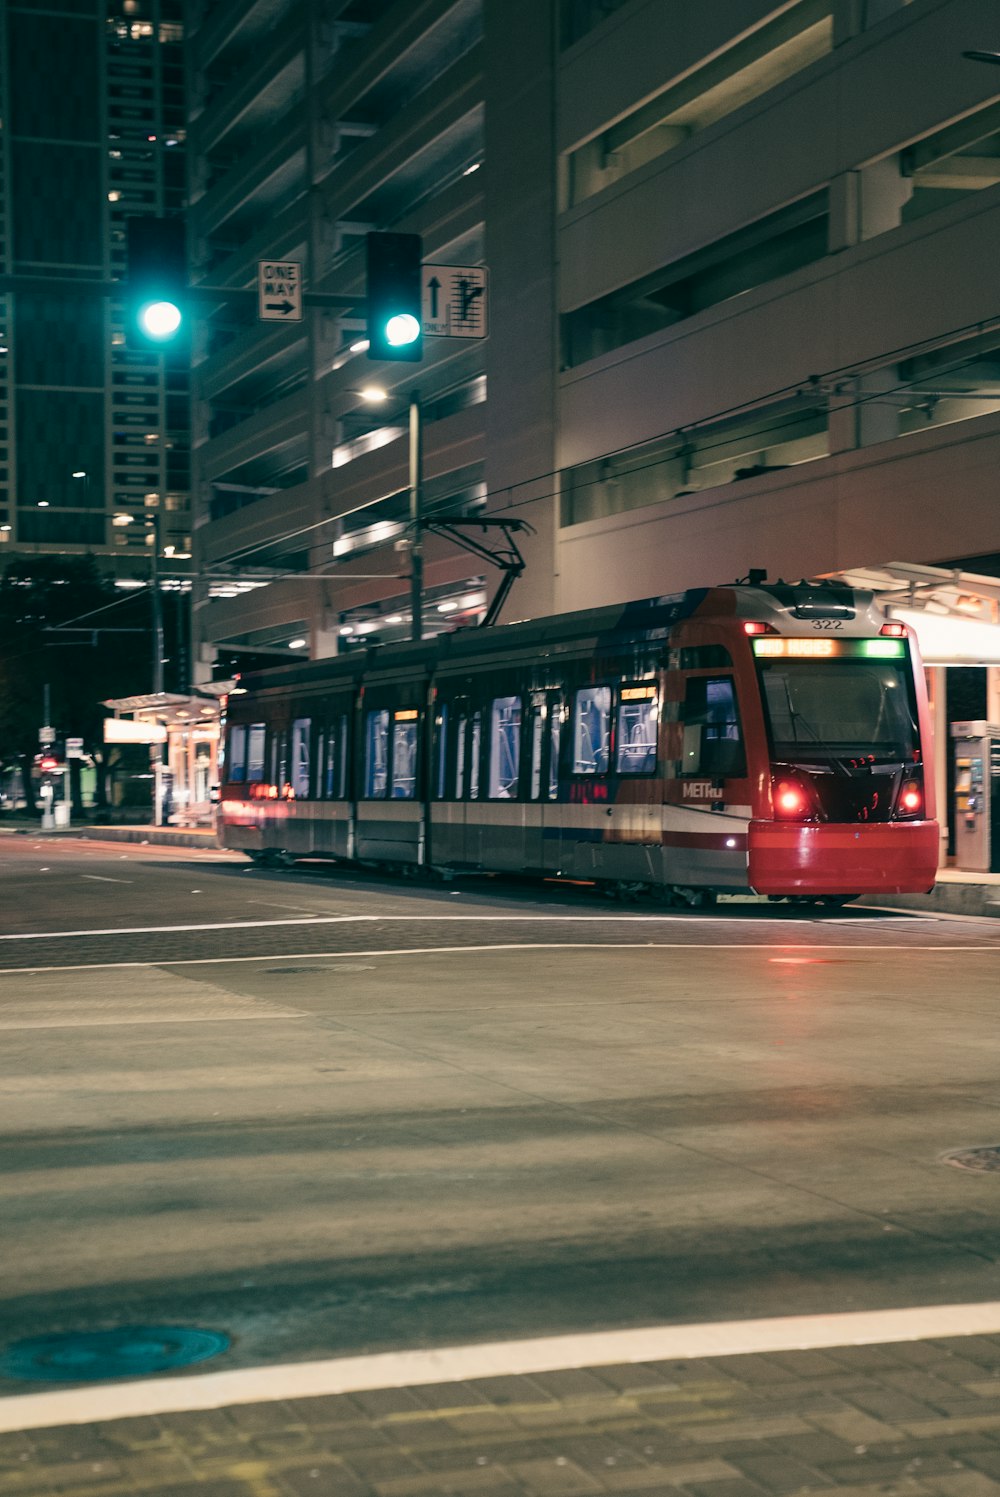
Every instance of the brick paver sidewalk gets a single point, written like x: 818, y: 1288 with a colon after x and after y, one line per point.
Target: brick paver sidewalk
x: 890, y: 1421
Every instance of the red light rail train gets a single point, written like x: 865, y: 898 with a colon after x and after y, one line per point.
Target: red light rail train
x: 753, y: 738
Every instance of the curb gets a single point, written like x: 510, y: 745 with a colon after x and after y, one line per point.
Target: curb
x: 162, y: 836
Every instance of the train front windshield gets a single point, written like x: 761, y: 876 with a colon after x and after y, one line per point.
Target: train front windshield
x: 842, y: 706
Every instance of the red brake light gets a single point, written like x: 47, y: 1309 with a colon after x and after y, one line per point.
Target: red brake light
x: 910, y: 798
x: 754, y: 626
x: 790, y: 799
x: 895, y: 631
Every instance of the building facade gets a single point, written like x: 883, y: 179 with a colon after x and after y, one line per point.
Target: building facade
x: 95, y: 436
x: 743, y: 310
x: 742, y: 296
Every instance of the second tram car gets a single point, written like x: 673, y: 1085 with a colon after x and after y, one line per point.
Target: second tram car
x: 767, y: 738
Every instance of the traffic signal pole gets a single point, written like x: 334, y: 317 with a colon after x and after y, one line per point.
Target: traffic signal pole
x: 416, y: 520
x: 156, y: 749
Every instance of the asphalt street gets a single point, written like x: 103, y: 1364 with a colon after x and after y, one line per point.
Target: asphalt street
x: 327, y: 1113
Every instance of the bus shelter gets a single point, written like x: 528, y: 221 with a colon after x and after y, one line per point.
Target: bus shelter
x: 183, y: 734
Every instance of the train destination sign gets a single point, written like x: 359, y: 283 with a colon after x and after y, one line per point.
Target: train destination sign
x: 825, y: 648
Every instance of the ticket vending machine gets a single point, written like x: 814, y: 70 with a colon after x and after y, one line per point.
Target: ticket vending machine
x: 977, y: 796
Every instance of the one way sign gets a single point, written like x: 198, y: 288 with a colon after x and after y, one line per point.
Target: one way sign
x: 454, y: 301
x: 279, y: 291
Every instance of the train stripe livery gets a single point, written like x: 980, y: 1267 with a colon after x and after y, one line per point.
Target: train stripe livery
x: 767, y: 739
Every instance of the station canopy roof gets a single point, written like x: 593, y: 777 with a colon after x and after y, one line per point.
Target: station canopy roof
x: 955, y: 614
x: 173, y: 709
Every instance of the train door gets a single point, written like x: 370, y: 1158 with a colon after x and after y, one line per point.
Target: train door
x: 541, y: 745
x: 449, y: 778
x: 503, y: 815
x: 389, y: 815
x: 706, y: 791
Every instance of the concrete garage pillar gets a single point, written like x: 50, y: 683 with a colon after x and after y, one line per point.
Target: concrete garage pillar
x: 323, y: 643
x: 866, y: 203
x: 863, y: 204
x: 883, y: 192
x: 865, y: 410
x: 876, y: 412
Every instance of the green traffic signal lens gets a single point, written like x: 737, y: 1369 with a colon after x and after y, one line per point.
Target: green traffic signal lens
x: 160, y: 319
x: 401, y: 330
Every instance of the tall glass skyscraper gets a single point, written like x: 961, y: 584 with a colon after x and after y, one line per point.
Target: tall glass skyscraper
x: 94, y: 440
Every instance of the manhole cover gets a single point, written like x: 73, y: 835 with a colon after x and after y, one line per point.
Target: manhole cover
x: 130, y: 1351
x: 984, y: 1159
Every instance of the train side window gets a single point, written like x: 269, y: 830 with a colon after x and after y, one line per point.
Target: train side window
x: 713, y: 740
x: 555, y: 721
x: 460, y: 759
x: 638, y: 714
x: 301, y: 729
x: 538, y: 717
x: 342, y: 743
x: 319, y: 755
x: 591, y: 730
x: 255, y: 752
x: 237, y: 753
x: 474, y: 752
x: 327, y: 751
x: 441, y: 751
x: 279, y: 758
x: 376, y: 754
x: 505, y: 747
x: 404, y: 754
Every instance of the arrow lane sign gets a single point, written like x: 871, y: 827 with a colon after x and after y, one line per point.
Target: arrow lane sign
x: 454, y: 301
x: 279, y: 291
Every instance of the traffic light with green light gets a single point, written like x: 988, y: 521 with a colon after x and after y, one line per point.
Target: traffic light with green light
x: 155, y: 312
x: 394, y: 295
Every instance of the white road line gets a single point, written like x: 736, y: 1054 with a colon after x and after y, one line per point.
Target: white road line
x: 99, y: 878
x: 451, y: 1364
x: 123, y: 1023
x: 152, y: 930
x: 143, y: 930
x: 351, y: 956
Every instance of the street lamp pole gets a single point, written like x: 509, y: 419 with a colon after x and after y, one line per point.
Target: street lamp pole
x: 156, y: 749
x: 157, y: 607
x: 416, y: 520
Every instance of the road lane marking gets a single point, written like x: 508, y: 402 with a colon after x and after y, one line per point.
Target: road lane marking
x: 452, y: 1364
x: 99, y: 878
x: 153, y: 930
x: 115, y: 1023
x: 350, y: 956
x: 144, y: 930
